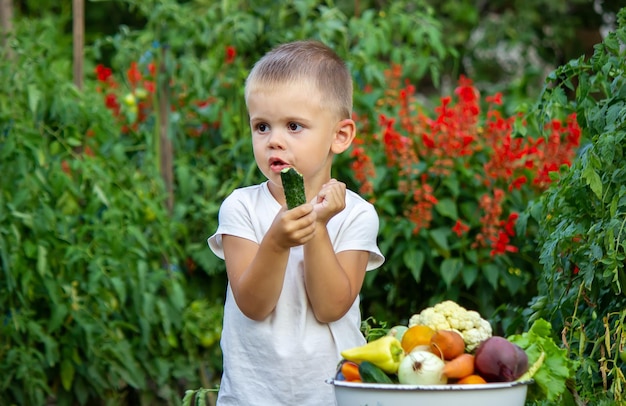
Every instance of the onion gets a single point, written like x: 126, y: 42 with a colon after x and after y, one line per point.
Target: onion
x: 499, y: 360
x: 421, y: 368
x: 397, y: 332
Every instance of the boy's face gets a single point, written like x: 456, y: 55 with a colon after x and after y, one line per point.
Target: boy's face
x: 290, y: 127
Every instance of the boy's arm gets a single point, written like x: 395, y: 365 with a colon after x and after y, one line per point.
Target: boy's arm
x: 256, y: 271
x: 332, y: 280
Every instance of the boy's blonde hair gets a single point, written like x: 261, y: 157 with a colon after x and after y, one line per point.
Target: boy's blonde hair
x: 306, y: 60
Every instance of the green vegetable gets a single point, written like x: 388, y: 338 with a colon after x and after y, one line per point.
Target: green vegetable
x: 550, y: 373
x: 293, y: 185
x: 533, y: 368
x: 370, y: 373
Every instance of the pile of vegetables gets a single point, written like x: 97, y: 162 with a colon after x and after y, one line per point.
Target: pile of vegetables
x: 448, y: 344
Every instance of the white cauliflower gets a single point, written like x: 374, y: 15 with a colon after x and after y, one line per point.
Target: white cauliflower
x: 449, y: 315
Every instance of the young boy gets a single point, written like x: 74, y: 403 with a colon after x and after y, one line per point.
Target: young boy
x: 294, y: 276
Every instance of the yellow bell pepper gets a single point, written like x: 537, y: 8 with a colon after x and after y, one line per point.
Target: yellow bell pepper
x: 385, y: 352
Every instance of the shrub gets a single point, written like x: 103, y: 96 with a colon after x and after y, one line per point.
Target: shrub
x: 449, y: 187
x: 582, y: 235
x: 94, y: 303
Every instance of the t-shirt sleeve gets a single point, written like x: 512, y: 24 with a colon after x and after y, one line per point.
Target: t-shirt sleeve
x: 360, y: 233
x: 233, y: 219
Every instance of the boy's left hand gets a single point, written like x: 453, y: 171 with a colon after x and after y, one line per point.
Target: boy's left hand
x: 330, y: 200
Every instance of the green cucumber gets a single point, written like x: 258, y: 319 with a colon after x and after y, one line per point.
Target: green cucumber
x: 293, y: 185
x: 370, y: 373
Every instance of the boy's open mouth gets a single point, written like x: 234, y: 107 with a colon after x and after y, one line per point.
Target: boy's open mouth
x: 278, y: 165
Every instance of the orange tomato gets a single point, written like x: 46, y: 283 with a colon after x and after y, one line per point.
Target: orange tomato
x: 415, y: 336
x: 350, y: 371
x: 472, y: 379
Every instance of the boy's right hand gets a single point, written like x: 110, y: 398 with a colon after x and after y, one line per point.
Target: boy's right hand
x: 294, y: 227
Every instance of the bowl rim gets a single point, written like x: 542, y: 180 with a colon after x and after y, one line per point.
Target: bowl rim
x: 444, y: 387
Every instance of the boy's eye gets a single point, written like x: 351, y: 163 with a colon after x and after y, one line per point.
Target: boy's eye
x: 262, y: 127
x: 294, y: 127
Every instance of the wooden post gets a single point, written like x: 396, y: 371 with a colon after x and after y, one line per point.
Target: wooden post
x: 6, y: 24
x: 78, y: 18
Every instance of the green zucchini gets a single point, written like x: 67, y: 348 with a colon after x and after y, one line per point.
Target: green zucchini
x: 293, y: 185
x: 370, y: 373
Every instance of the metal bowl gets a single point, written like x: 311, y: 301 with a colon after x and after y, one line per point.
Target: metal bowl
x: 373, y: 394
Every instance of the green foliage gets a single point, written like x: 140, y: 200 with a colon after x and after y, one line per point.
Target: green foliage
x: 581, y: 221
x: 510, y: 46
x: 107, y: 295
x: 554, y: 367
x: 449, y: 186
x: 94, y: 303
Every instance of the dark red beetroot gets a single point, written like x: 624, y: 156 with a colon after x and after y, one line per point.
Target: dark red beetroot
x: 499, y: 360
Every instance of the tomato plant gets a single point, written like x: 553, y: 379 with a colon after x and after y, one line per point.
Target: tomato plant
x: 582, y: 221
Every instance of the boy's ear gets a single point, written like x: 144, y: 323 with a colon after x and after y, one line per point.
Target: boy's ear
x: 344, y: 135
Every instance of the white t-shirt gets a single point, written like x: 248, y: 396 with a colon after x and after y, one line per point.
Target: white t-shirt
x: 286, y: 358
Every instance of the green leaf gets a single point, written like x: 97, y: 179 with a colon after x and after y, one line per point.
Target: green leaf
x: 201, y: 398
x: 470, y: 274
x: 613, y: 115
x: 450, y: 268
x: 189, y: 395
x: 414, y: 260
x: 447, y: 208
x: 124, y: 363
x: 67, y: 374
x: 592, y: 179
x: 74, y: 141
x: 119, y: 287
x: 139, y: 237
x: 58, y: 313
x: 34, y: 96
x: 177, y: 296
x: 439, y: 237
x: 492, y: 273
x: 184, y: 180
x: 101, y: 195
x: 42, y: 259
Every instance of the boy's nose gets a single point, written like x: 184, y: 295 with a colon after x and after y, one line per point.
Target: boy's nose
x: 276, y: 140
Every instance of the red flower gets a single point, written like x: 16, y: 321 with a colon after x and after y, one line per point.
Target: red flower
x: 133, y: 74
x: 111, y: 102
x: 231, y: 53
x: 149, y: 86
x: 363, y: 169
x: 501, y: 244
x: 428, y: 141
x: 495, y: 99
x: 103, y: 73
x: 204, y: 103
x: 460, y: 228
x: 466, y: 92
x: 509, y: 225
x: 480, y: 147
x: 518, y: 182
